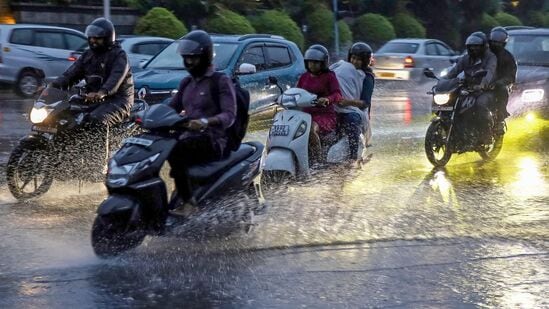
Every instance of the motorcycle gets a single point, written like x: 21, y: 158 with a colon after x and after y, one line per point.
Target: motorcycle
x: 138, y: 204
x: 453, y: 128
x: 287, y: 150
x: 59, y: 147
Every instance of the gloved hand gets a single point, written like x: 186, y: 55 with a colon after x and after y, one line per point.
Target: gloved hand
x: 322, y: 102
x: 196, y: 125
x: 95, y: 96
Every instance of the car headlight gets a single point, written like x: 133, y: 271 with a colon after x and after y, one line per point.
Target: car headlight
x: 532, y: 95
x: 442, y: 98
x: 37, y: 115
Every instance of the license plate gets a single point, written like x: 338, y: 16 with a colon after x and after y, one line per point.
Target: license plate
x: 280, y: 130
x: 45, y: 129
x: 386, y: 74
x: 138, y: 141
x: 438, y: 108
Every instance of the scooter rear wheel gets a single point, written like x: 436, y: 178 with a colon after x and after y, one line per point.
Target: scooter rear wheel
x: 492, y: 150
x: 28, y: 173
x: 113, y: 235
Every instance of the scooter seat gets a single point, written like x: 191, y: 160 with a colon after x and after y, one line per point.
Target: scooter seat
x: 207, y: 171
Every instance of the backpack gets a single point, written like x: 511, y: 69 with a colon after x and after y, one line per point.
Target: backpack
x: 237, y: 131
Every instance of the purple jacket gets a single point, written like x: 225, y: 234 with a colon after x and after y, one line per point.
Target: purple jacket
x: 195, y: 99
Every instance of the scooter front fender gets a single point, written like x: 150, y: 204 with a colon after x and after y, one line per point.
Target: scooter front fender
x: 280, y: 159
x: 117, y: 204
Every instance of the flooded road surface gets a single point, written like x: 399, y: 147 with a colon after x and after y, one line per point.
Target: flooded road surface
x: 396, y: 233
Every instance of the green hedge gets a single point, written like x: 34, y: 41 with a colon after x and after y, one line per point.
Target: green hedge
x: 160, y: 22
x: 537, y: 19
x: 487, y: 23
x: 407, y: 26
x: 277, y: 22
x: 345, y: 34
x: 228, y: 22
x: 373, y: 29
x: 506, y: 19
x: 320, y: 27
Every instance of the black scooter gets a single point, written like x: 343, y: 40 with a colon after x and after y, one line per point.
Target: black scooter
x: 138, y: 204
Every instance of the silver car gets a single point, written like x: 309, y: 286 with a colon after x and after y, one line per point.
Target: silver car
x: 30, y: 54
x: 405, y: 59
x: 142, y: 48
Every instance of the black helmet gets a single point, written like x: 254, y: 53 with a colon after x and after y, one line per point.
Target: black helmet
x: 101, y: 28
x: 481, y: 35
x: 317, y: 52
x: 362, y: 50
x: 498, y: 39
x: 476, y: 45
x: 197, y: 43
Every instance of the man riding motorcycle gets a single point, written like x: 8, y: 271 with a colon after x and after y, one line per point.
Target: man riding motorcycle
x: 506, y: 71
x: 478, y: 57
x: 106, y: 59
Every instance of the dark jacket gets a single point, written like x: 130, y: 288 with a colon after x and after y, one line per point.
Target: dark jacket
x: 506, y: 71
x: 112, y: 65
x: 469, y: 66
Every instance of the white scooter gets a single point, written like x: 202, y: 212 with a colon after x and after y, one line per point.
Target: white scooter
x: 287, y: 148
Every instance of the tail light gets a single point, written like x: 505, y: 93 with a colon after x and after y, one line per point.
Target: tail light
x: 409, y: 62
x: 72, y: 57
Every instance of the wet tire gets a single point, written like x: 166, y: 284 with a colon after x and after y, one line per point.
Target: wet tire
x: 28, y: 173
x: 493, y: 150
x: 27, y: 84
x: 113, y: 235
x: 270, y: 179
x: 435, y: 144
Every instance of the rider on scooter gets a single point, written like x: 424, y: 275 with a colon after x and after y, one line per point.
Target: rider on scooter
x: 205, y: 138
x: 321, y: 81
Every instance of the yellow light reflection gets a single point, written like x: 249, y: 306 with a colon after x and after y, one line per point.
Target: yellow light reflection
x: 530, y: 180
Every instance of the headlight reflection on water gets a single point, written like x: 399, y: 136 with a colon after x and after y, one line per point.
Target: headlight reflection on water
x: 530, y: 181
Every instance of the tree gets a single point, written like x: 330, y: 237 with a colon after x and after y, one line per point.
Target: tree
x: 506, y: 19
x: 487, y: 23
x: 373, y: 29
x: 406, y: 26
x: 439, y: 19
x: 278, y: 22
x: 160, y: 22
x: 345, y: 34
x: 320, y: 27
x: 228, y: 22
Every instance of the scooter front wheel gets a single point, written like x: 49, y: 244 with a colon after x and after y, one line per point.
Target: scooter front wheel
x: 114, y: 234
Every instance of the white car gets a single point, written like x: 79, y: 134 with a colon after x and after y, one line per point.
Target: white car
x: 142, y: 48
x: 31, y: 54
x: 405, y: 59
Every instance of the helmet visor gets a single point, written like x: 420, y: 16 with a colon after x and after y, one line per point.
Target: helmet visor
x: 188, y: 47
x: 315, y: 55
x: 95, y: 31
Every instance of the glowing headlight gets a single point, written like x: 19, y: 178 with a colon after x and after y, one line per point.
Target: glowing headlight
x: 532, y: 95
x: 38, y: 115
x: 442, y: 98
x: 444, y: 72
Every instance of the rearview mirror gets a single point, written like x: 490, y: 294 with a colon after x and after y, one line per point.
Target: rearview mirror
x: 246, y: 69
x: 429, y: 73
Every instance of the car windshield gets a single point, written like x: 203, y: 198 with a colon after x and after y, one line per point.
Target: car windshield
x: 169, y: 59
x: 530, y: 49
x: 399, y: 48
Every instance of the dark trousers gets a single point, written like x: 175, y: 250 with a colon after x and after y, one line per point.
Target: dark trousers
x: 110, y: 112
x: 191, y: 150
x: 500, y: 103
x: 350, y: 124
x: 485, y: 103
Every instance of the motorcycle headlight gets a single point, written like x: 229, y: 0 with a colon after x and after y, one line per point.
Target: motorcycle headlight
x: 301, y: 129
x: 37, y: 115
x: 120, y: 174
x: 532, y: 95
x: 442, y: 98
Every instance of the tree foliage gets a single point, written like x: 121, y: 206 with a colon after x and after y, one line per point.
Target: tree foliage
x: 506, y: 19
x: 345, y: 33
x: 373, y: 29
x: 160, y: 22
x: 229, y: 22
x: 278, y: 22
x: 487, y: 23
x: 407, y: 26
x: 320, y: 27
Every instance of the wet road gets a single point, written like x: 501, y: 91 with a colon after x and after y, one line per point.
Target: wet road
x: 394, y: 234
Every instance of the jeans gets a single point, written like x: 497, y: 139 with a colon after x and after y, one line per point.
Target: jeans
x: 350, y: 124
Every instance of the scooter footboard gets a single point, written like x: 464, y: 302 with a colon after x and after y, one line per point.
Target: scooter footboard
x: 280, y: 159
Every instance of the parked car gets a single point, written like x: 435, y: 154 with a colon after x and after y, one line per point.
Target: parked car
x: 272, y: 56
x: 405, y: 59
x: 142, y: 48
x: 531, y: 50
x: 30, y: 54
